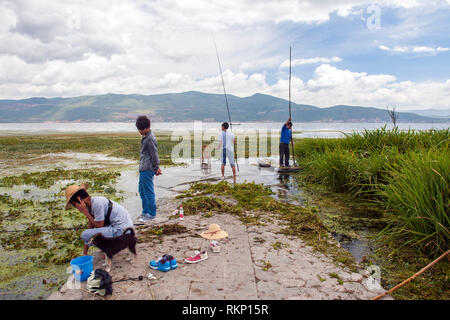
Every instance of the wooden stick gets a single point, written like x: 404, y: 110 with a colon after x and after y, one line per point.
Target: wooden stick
x: 290, y: 115
x: 414, y: 276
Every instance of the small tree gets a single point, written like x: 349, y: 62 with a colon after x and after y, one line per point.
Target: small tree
x: 393, y: 115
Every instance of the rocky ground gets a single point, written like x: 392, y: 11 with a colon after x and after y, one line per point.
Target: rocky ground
x: 255, y: 262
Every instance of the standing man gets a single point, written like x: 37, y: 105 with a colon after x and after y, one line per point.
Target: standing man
x: 285, y: 139
x: 226, y: 141
x: 148, y: 168
x: 104, y: 216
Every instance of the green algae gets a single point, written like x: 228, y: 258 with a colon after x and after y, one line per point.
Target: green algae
x: 116, y: 145
x: 147, y: 234
x: 38, y: 251
x: 278, y: 245
x: 433, y: 284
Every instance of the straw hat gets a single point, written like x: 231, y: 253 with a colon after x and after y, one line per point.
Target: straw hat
x: 214, y: 233
x: 71, y: 190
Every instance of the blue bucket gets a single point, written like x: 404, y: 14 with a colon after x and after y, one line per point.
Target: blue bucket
x: 82, y: 267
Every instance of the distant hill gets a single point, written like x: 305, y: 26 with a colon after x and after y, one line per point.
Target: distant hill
x: 187, y: 106
x: 435, y: 113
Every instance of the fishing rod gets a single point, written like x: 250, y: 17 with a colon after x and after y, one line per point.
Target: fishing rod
x: 290, y: 116
x: 226, y: 99
x: 58, y: 229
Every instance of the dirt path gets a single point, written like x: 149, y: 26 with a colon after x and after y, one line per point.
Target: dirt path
x: 249, y: 266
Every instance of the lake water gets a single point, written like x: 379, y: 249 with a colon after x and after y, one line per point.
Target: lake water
x: 308, y: 129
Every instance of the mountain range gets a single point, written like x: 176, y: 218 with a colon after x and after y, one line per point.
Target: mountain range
x: 189, y: 106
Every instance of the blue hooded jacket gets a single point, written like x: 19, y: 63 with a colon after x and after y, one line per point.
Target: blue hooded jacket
x: 286, y: 135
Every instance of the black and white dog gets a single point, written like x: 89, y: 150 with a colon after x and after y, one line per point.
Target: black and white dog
x: 111, y: 246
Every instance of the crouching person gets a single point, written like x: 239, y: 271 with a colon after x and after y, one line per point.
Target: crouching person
x: 104, y: 216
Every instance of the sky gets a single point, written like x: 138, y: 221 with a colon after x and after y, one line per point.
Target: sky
x: 375, y: 53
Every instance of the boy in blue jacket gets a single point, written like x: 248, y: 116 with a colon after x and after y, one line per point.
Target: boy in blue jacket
x: 285, y: 139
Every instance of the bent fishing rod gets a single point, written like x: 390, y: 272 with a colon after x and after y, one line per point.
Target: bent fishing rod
x: 226, y: 100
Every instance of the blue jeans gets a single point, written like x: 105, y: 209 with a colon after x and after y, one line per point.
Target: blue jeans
x: 108, y: 232
x: 147, y: 193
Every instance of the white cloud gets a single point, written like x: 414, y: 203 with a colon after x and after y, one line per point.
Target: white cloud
x: 72, y: 48
x: 297, y: 62
x: 414, y: 49
x: 333, y: 86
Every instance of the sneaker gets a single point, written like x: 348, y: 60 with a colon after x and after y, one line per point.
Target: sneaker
x: 197, y: 257
x: 162, y: 264
x: 214, y: 246
x: 154, y: 264
x: 146, y: 218
x: 173, y: 262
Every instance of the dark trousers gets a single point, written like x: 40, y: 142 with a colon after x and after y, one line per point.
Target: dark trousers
x: 284, y: 153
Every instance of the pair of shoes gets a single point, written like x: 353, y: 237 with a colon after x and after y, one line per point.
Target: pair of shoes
x: 214, y: 246
x: 146, y: 218
x: 197, y: 257
x: 165, y: 263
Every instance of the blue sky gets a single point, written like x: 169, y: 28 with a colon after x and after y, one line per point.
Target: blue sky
x: 343, y: 51
x: 350, y: 39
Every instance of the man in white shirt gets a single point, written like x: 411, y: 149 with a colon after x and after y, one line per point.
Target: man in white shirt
x: 226, y: 142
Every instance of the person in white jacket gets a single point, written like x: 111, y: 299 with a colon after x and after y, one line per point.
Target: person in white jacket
x: 226, y: 143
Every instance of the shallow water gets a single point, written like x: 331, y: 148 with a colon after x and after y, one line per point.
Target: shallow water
x: 176, y: 179
x: 307, y: 129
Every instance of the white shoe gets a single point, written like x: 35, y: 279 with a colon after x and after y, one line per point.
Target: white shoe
x: 214, y: 246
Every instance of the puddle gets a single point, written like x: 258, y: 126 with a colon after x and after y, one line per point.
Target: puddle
x: 358, y: 248
x: 34, y: 193
x: 179, y: 178
x: 63, y: 160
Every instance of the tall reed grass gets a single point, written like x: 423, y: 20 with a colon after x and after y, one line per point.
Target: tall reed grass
x: 408, y: 173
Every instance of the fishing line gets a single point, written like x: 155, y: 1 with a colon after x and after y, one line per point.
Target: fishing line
x: 226, y: 99
x: 130, y: 279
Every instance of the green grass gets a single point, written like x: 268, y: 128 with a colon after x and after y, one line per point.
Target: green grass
x: 405, y: 173
x: 117, y: 145
x: 417, y: 194
x: 254, y: 204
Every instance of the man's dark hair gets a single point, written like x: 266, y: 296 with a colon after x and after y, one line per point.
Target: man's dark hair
x: 80, y: 193
x: 225, y: 125
x: 142, y: 123
x: 289, y: 124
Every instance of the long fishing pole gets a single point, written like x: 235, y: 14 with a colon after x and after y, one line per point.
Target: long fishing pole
x: 290, y: 116
x: 59, y: 229
x: 226, y: 99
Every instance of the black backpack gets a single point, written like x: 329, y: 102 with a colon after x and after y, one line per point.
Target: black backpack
x: 100, y: 282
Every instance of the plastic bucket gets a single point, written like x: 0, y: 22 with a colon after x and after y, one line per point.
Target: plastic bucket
x: 82, y: 267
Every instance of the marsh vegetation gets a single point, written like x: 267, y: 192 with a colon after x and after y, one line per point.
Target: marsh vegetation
x: 402, y: 179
